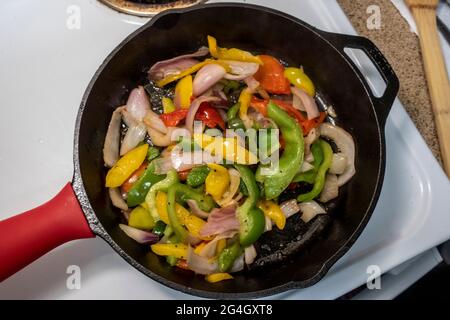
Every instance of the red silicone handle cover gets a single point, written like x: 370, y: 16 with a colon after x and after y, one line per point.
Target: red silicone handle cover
x: 28, y: 236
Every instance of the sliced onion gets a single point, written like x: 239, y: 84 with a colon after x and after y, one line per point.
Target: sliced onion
x: 112, y: 140
x: 309, y: 157
x: 209, y: 251
x: 143, y: 237
x: 152, y: 120
x: 346, y: 145
x: 195, y: 209
x: 220, y: 221
x: 308, y: 102
x: 312, y: 136
x: 138, y: 104
x: 250, y: 254
x: 309, y: 210
x: 194, y: 108
x: 338, y: 163
x: 161, y: 71
x: 297, y: 103
x: 235, y: 180
x: 252, y: 84
x: 159, y: 139
x: 192, y: 240
x: 306, y: 166
x: 290, y: 207
x: 175, y: 65
x: 199, y: 264
x: 263, y: 93
x: 238, y: 264
x: 116, y: 199
x: 206, y: 77
x: 240, y: 70
x: 126, y: 214
x: 133, y: 137
x: 330, y: 189
x: 268, y: 224
x: 127, y: 118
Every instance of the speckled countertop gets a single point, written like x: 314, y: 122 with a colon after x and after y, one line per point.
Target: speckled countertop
x: 401, y: 47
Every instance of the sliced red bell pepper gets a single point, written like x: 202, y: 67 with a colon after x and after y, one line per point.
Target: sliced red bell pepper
x: 307, y: 125
x: 172, y: 119
x: 271, y: 76
x: 209, y: 116
x: 128, y: 184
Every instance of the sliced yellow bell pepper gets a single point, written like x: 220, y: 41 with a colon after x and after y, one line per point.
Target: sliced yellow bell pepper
x: 227, y: 148
x: 217, y: 277
x: 193, y: 223
x: 273, y: 212
x: 298, y: 78
x: 217, y: 181
x: 231, y: 54
x: 198, y: 249
x: 178, y: 250
x: 221, y: 244
x: 184, y: 90
x: 191, y: 70
x: 244, y: 100
x: 168, y: 105
x: 126, y: 165
x: 140, y: 218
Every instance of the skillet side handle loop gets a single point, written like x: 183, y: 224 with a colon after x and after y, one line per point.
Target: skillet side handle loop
x: 28, y: 236
x: 384, y: 103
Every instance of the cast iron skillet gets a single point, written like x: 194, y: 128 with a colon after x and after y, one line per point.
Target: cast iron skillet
x: 85, y: 210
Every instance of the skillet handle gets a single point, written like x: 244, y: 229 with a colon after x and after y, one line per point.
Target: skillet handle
x: 28, y: 236
x: 384, y: 103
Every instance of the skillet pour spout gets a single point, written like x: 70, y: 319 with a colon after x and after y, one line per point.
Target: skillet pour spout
x: 182, y: 31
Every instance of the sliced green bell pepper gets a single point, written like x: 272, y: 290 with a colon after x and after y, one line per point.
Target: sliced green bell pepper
x: 310, y: 176
x: 163, y: 185
x: 292, y: 157
x: 251, y: 218
x: 140, y: 188
x: 228, y: 256
x: 319, y: 181
x: 204, y: 202
x: 197, y: 176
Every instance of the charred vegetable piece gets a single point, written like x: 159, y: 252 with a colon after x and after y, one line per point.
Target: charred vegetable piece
x: 229, y: 255
x: 141, y: 187
x: 251, y: 218
x: 319, y: 181
x: 197, y: 176
x: 292, y: 157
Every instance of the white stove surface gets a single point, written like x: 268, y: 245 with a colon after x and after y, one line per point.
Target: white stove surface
x: 45, y: 67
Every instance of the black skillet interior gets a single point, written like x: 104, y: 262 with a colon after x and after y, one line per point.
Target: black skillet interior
x: 259, y: 30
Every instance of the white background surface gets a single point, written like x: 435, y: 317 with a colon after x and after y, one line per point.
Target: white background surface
x: 44, y: 70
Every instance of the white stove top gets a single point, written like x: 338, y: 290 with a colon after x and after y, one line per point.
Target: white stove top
x: 45, y: 68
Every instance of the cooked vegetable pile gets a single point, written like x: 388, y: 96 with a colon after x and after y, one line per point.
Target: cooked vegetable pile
x: 201, y: 155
